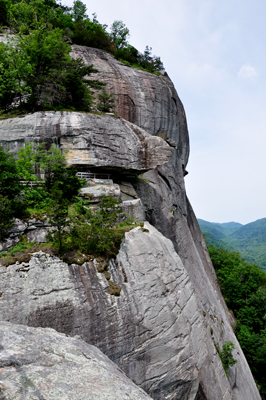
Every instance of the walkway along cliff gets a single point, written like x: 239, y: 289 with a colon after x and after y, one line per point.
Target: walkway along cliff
x: 162, y: 329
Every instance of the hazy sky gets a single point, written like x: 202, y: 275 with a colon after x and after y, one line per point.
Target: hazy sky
x: 214, y: 52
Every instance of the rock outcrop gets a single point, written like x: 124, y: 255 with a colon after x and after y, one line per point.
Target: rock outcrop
x: 147, y: 100
x: 34, y: 230
x: 89, y: 139
x: 44, y: 364
x: 163, y: 328
x: 154, y: 331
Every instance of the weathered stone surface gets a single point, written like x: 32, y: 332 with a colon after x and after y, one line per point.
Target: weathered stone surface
x: 8, y: 242
x: 163, y: 195
x: 127, y: 191
x: 44, y: 364
x: 17, y: 228
x: 35, y: 232
x: 90, y: 140
x: 37, y: 235
x: 96, y: 192
x: 147, y: 100
x: 134, y: 208
x: 152, y: 330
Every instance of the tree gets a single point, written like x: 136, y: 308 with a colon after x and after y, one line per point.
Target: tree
x: 28, y: 15
x: 106, y: 101
x: 93, y: 232
x: 6, y: 215
x: 42, y: 72
x: 53, y: 163
x: 15, y: 69
x: 119, y: 34
x: 79, y: 11
x: 26, y: 162
x: 92, y: 34
x: 3, y: 13
x: 58, y: 218
x: 227, y: 356
x: 9, y: 178
x: 109, y: 211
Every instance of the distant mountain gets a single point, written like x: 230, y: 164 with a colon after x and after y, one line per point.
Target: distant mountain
x: 256, y: 229
x: 222, y: 229
x: 211, y: 239
x: 249, y: 240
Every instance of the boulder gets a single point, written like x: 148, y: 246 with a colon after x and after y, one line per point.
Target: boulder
x: 97, y: 191
x: 37, y: 363
x: 134, y: 208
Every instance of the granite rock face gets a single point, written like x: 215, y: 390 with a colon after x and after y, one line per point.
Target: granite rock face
x: 152, y: 331
x: 147, y: 100
x: 162, y: 328
x: 89, y: 139
x: 44, y: 364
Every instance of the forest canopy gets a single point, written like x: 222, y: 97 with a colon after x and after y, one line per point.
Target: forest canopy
x: 244, y: 289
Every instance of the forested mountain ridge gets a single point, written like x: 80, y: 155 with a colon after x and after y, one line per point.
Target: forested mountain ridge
x: 249, y: 240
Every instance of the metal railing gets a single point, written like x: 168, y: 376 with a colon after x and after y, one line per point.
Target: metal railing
x: 92, y: 175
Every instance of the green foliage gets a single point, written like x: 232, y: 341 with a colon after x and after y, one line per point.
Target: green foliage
x: 52, y: 163
x: 37, y: 194
x: 119, y: 34
x: 21, y: 252
x: 146, y: 62
x: 149, y: 62
x: 92, y: 34
x: 106, y: 101
x: 26, y: 162
x: 244, y: 288
x: 15, y: 68
x: 36, y: 198
x: 79, y: 11
x: 6, y: 215
x: 249, y: 240
x: 42, y: 69
x: 58, y: 213
x: 9, y: 179
x: 41, y: 75
x: 57, y: 79
x: 3, y: 13
x: 226, y: 355
x: 93, y: 232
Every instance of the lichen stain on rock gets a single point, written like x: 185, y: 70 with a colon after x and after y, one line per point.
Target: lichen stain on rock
x: 59, y: 316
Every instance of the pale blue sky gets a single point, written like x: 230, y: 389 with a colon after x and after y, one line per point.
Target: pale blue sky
x: 214, y: 52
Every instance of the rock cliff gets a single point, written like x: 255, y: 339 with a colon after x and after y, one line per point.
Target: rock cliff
x: 163, y: 327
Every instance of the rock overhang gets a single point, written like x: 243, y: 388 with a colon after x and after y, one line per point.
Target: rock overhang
x: 90, y: 140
